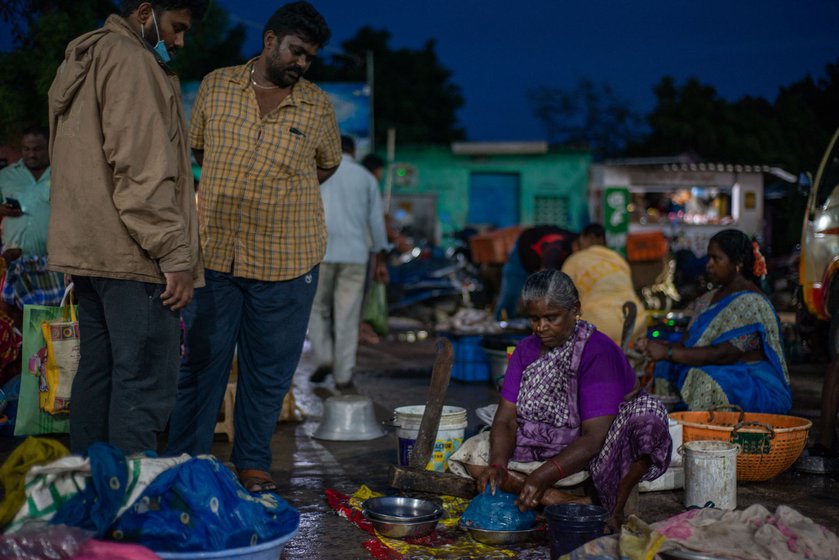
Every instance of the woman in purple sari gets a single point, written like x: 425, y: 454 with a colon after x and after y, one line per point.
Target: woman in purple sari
x: 570, y: 408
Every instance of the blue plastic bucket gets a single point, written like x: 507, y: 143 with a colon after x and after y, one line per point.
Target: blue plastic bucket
x: 570, y: 526
x: 270, y: 550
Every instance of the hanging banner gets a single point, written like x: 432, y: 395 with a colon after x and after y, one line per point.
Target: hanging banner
x: 352, y: 109
x: 616, y: 217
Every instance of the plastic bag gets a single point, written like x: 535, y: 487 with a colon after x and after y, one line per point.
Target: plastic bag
x: 62, y: 340
x: 31, y: 420
x: 200, y: 506
x: 104, y: 550
x: 375, y: 308
x: 497, y: 513
x: 53, y: 542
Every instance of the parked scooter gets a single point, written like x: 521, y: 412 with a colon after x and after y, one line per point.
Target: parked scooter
x: 431, y: 284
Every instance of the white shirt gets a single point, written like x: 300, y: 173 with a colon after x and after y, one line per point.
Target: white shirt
x: 354, y: 218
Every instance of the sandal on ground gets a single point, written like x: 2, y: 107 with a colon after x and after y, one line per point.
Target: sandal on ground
x: 256, y: 481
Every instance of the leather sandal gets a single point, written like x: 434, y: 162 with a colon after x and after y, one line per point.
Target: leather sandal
x: 256, y: 481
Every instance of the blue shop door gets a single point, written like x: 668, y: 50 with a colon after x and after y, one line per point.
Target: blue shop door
x: 494, y: 199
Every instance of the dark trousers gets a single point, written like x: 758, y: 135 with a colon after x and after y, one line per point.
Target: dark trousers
x: 126, y: 382
x: 265, y: 324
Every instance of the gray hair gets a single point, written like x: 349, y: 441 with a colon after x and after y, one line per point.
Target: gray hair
x: 552, y: 286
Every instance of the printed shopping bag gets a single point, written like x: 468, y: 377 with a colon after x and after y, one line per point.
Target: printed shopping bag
x: 375, y: 308
x: 62, y: 340
x: 31, y: 420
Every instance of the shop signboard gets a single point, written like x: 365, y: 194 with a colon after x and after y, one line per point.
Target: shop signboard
x: 351, y: 101
x: 616, y: 217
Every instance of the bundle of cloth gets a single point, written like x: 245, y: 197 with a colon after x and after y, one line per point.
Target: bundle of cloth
x: 754, y: 533
x: 172, y: 504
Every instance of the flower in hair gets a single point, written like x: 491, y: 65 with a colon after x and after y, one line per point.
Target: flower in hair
x: 759, y: 268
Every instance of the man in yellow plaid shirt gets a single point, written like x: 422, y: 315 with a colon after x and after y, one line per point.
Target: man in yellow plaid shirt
x: 266, y: 139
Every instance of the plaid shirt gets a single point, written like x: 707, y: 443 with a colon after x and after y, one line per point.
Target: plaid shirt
x: 259, y: 203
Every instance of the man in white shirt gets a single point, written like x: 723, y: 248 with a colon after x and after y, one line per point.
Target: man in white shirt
x: 355, y: 223
x: 25, y: 211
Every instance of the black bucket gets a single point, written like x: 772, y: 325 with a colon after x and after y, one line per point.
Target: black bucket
x: 570, y: 526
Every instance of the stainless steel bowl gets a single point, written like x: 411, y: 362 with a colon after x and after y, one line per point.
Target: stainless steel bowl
x: 348, y: 418
x: 501, y: 538
x: 394, y: 519
x: 401, y: 509
x: 687, y: 555
x: 404, y: 529
x: 816, y: 465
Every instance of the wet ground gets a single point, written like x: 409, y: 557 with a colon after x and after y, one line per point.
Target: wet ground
x: 396, y: 374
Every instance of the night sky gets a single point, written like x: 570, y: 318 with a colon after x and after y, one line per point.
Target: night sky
x: 499, y: 50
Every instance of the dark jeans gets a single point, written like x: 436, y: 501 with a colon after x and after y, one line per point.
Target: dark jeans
x: 265, y: 324
x: 126, y: 383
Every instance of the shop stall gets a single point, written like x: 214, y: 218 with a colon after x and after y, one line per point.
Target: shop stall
x: 687, y: 202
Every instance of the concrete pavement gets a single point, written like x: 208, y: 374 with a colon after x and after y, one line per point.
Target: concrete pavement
x: 396, y: 374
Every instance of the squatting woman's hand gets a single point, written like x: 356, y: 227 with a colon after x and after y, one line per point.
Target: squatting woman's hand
x: 493, y: 475
x: 534, y: 488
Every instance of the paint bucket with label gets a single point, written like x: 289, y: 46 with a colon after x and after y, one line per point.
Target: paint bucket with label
x: 407, y: 420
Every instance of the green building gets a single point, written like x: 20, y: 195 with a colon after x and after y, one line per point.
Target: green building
x: 439, y: 190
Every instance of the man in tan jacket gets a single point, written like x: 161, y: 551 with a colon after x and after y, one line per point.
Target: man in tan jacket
x: 123, y: 221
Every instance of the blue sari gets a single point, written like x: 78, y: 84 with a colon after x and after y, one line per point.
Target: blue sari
x: 758, y: 386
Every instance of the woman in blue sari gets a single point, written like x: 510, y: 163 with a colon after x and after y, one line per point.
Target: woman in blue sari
x: 732, y: 352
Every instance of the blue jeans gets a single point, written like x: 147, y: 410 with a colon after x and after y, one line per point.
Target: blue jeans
x: 127, y: 378
x: 265, y: 324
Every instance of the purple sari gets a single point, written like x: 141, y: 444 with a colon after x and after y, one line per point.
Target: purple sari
x: 549, y: 420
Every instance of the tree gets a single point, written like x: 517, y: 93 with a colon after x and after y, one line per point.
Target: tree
x: 211, y: 43
x: 41, y: 30
x: 694, y: 118
x: 414, y: 93
x: 590, y: 114
x: 791, y: 132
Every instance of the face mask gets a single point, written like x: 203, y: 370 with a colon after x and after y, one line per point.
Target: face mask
x: 160, y: 47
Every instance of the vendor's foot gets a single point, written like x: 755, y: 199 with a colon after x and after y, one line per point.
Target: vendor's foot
x: 256, y: 481
x: 554, y: 496
x: 319, y: 376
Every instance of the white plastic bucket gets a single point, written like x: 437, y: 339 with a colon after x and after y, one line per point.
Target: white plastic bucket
x: 710, y: 473
x: 453, y: 423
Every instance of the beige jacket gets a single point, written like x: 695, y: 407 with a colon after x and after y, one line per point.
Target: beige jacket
x: 123, y: 200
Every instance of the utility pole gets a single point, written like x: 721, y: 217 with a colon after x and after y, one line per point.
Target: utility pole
x: 371, y: 87
x: 391, y: 155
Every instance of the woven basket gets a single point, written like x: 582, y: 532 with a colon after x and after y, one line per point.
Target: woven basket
x: 493, y: 247
x: 771, y: 442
